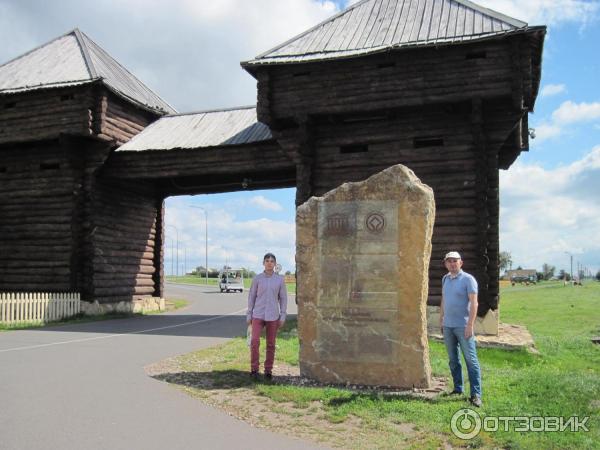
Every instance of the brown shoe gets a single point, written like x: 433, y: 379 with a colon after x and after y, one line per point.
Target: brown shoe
x: 268, y: 376
x: 476, y: 401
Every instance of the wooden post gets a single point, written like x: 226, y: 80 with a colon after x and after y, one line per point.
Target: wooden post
x: 304, y: 161
x: 85, y: 157
x: 483, y: 213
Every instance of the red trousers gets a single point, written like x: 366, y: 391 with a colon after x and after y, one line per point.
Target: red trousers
x: 257, y: 326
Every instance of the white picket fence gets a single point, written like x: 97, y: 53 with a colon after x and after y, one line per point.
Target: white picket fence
x: 38, y: 307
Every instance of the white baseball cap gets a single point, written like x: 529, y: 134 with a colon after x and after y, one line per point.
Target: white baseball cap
x: 454, y: 255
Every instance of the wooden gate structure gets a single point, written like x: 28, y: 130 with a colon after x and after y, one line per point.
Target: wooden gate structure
x: 441, y: 86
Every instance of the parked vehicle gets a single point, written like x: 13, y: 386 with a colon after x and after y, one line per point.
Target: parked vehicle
x: 231, y: 280
x: 527, y: 280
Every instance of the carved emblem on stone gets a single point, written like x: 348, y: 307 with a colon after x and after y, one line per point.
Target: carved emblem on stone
x: 338, y: 225
x: 375, y: 222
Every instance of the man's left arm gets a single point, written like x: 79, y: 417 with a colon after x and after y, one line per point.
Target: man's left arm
x: 469, y: 330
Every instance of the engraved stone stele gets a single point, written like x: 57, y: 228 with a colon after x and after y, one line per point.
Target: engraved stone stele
x: 362, y: 260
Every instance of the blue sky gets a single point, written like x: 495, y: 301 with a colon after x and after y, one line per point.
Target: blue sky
x: 189, y: 53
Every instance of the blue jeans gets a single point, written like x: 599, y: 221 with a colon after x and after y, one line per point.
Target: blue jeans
x: 454, y: 337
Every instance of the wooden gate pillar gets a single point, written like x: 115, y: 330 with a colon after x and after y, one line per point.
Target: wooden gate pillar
x: 85, y: 157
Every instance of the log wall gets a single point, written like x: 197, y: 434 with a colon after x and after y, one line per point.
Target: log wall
x: 127, y: 237
x: 85, y: 110
x: 447, y: 150
x: 453, y: 114
x: 44, y: 114
x: 52, y: 143
x: 120, y: 121
x: 37, y: 185
x: 217, y: 169
x: 392, y: 80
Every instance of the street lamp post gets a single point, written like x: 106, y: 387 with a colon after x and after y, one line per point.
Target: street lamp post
x: 177, y: 254
x: 171, y: 256
x: 205, y: 239
x: 571, y: 264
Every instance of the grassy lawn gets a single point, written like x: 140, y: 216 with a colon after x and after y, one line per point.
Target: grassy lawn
x: 563, y: 380
x: 192, y: 279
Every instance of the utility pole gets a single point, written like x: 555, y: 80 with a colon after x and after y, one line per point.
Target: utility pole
x: 177, y: 254
x: 571, y: 267
x: 205, y: 239
x: 171, y: 256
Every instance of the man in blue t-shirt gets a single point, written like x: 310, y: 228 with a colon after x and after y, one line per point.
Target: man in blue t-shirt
x: 458, y: 312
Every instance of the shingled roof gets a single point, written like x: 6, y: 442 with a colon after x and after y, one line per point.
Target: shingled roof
x: 74, y: 59
x: 371, y: 26
x: 217, y: 128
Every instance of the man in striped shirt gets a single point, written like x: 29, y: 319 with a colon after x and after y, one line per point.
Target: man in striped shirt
x: 267, y: 306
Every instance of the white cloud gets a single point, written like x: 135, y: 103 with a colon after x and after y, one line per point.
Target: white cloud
x: 546, y: 213
x: 230, y: 239
x: 263, y: 203
x: 188, y: 51
x: 552, y: 89
x: 567, y: 113
x: 570, y: 112
x: 546, y: 131
x: 546, y: 12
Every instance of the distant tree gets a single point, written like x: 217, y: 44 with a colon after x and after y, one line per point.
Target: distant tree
x: 548, y: 271
x: 287, y: 272
x: 248, y: 273
x: 598, y: 276
x: 540, y: 276
x: 504, y: 260
x: 564, y: 275
x: 581, y: 274
x: 519, y: 268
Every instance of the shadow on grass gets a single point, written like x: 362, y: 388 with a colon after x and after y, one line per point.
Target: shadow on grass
x: 296, y: 388
x: 216, y: 379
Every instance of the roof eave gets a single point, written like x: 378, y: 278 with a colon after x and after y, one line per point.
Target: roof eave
x: 41, y: 87
x: 537, y: 66
x: 256, y: 63
x: 137, y: 103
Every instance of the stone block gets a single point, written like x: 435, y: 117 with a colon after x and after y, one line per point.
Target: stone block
x: 362, y: 260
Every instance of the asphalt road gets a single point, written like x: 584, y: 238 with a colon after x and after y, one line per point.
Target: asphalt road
x: 83, y: 386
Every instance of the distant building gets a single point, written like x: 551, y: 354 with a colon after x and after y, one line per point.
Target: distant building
x: 521, y: 275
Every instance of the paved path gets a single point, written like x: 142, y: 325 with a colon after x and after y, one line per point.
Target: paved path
x: 83, y: 386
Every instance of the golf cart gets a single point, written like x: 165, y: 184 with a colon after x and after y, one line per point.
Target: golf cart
x: 231, y: 280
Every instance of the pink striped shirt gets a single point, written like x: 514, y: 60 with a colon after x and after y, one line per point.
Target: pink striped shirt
x: 267, y: 299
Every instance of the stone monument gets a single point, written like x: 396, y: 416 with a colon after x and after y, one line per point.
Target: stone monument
x: 362, y: 260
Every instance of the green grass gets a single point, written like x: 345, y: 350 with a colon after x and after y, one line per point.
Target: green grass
x: 193, y: 279
x: 563, y: 380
